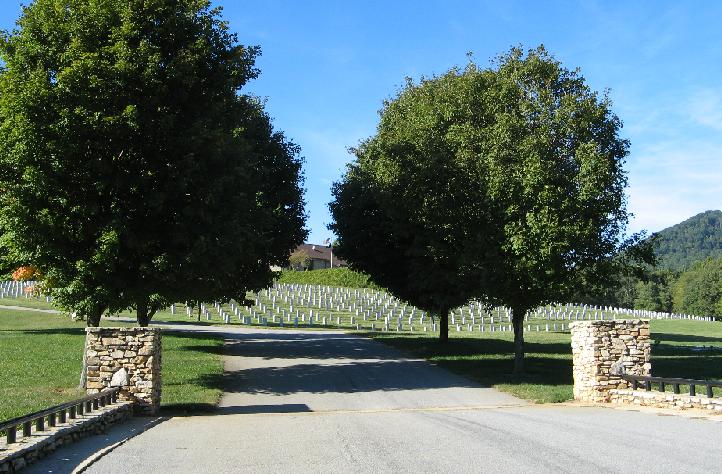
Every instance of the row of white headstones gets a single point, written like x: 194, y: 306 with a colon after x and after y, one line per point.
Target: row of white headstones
x: 18, y: 289
x: 315, y: 305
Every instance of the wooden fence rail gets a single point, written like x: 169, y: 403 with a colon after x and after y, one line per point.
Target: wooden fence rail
x: 662, y: 383
x: 57, y: 414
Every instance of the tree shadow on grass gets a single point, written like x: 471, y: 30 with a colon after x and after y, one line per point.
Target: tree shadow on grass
x: 703, y: 366
x: 491, y: 361
x: 493, y: 371
x: 684, y: 338
x: 48, y: 331
x: 685, y: 350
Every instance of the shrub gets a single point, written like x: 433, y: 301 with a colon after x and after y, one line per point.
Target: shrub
x: 343, y: 277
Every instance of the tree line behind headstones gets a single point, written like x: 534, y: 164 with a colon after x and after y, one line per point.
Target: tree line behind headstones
x: 696, y: 290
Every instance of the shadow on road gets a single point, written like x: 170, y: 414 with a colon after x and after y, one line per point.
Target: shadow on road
x: 349, y: 377
x: 75, y: 456
x: 280, y: 363
x: 255, y: 409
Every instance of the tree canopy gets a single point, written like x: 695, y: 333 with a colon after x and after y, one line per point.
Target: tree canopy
x: 134, y: 170
x: 699, y: 289
x: 504, y: 184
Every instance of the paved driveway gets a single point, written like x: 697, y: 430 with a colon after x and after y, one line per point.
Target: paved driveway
x: 333, y: 402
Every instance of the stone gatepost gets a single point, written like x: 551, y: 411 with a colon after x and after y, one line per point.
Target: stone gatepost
x: 129, y: 358
x: 604, y: 350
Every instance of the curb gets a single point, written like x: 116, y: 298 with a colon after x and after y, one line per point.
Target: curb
x: 93, y: 458
x: 689, y: 413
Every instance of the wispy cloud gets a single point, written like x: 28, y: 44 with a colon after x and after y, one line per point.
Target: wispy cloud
x: 705, y: 108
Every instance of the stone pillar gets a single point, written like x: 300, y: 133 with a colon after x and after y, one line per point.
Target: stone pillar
x: 129, y: 358
x: 602, y: 351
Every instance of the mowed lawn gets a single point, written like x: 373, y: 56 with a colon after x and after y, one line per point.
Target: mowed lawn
x: 192, y: 368
x: 684, y: 349
x: 41, y: 358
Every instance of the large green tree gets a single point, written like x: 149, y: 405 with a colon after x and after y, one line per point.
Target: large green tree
x: 699, y: 289
x: 503, y: 183
x: 655, y: 292
x: 134, y: 170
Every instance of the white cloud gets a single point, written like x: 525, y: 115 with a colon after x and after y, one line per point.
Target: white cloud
x: 672, y: 181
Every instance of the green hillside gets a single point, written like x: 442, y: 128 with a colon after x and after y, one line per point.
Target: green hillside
x: 699, y: 237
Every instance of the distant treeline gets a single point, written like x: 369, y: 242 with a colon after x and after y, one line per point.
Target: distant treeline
x: 697, y: 290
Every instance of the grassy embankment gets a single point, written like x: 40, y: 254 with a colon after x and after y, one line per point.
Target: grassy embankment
x: 41, y: 358
x: 339, y: 277
x: 487, y: 357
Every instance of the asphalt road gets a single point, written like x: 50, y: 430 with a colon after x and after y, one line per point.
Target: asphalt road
x: 332, y: 402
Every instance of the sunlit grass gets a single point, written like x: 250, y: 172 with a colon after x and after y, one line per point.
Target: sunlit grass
x: 683, y: 349
x: 41, y: 358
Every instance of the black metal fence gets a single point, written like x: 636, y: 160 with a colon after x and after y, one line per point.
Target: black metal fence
x: 58, y: 414
x: 663, y: 382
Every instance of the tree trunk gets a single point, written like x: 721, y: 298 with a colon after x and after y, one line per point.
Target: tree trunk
x: 142, y: 313
x: 199, y: 310
x: 518, y: 322
x: 444, y: 326
x: 94, y: 318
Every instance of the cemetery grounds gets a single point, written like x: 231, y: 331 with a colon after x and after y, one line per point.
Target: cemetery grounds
x: 40, y: 352
x: 41, y: 359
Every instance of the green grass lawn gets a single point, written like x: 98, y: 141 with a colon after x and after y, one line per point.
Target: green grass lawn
x: 41, y: 358
x: 685, y: 349
x: 488, y: 358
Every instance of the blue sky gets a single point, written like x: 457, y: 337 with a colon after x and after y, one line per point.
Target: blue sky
x: 327, y: 66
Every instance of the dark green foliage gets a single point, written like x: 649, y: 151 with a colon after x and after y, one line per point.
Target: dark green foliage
x: 620, y: 291
x: 299, y: 260
x: 699, y: 237
x: 504, y: 184
x: 699, y: 289
x: 654, y: 293
x: 134, y: 170
x: 343, y: 277
x: 679, y: 250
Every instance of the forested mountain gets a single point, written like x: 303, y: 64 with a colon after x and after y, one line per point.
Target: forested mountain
x: 699, y: 237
